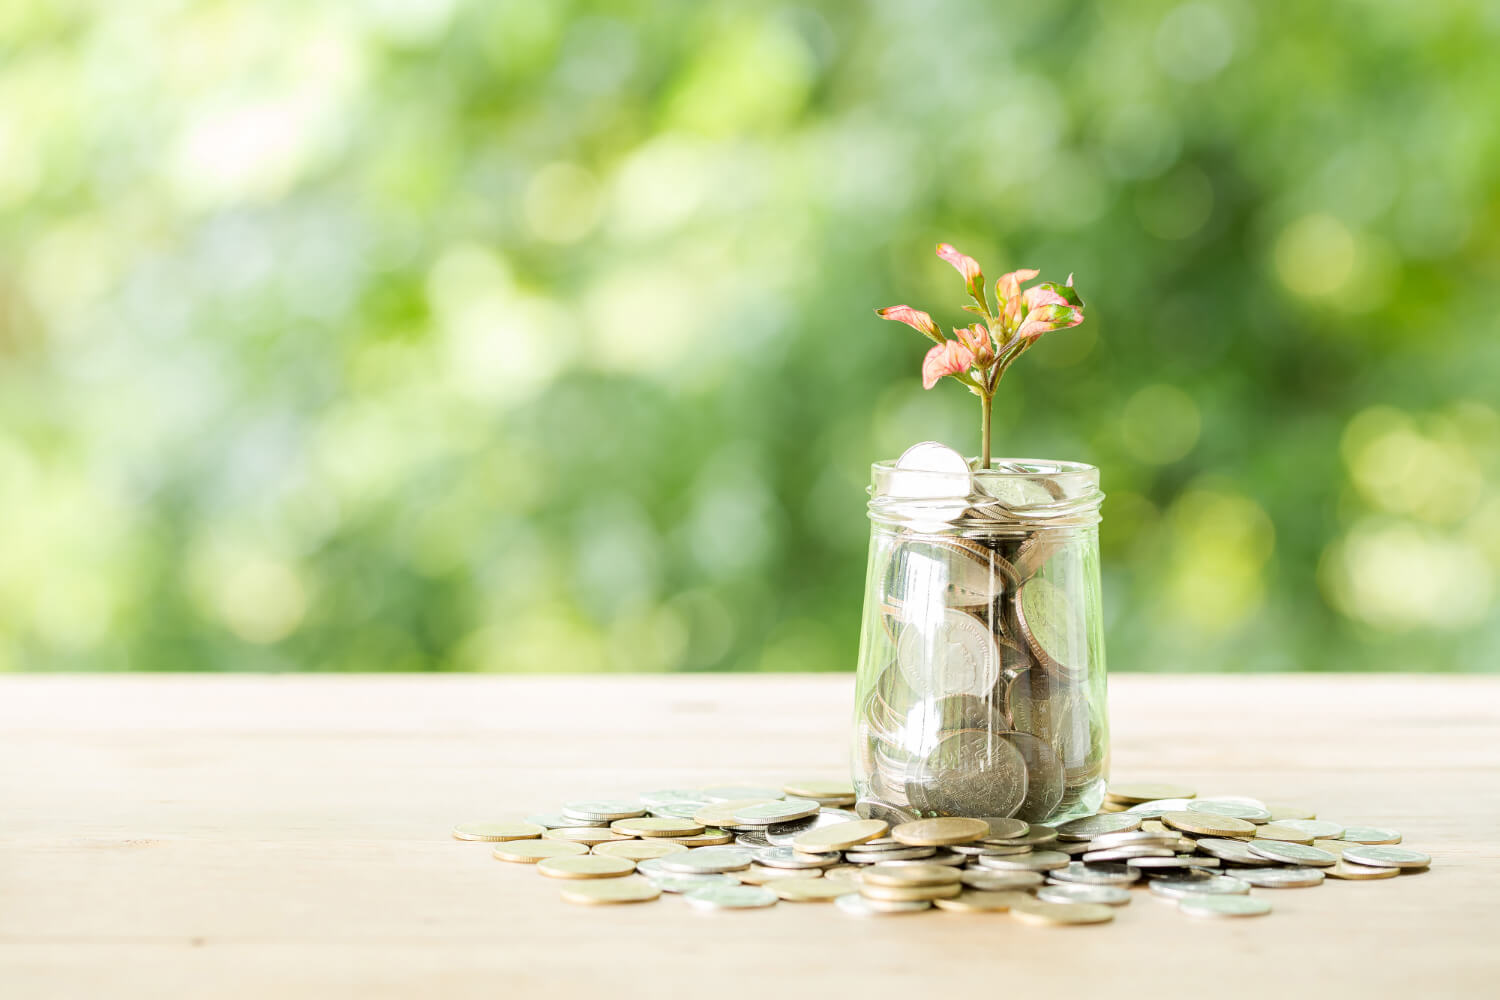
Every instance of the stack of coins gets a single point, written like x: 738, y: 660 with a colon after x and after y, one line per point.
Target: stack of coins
x: 1205, y: 856
x: 982, y: 670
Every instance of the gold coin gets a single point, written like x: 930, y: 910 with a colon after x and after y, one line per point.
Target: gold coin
x: 1334, y: 847
x: 597, y: 892
x: 1208, y: 824
x: 1275, y: 831
x: 903, y: 874
x: 586, y: 835
x: 638, y: 850
x: 909, y: 893
x: 1154, y: 826
x: 1282, y: 810
x: 1114, y: 807
x: 848, y: 873
x: 761, y: 874
x: 504, y: 830
x: 529, y: 852
x: 1349, y: 870
x: 816, y: 788
x: 807, y: 890
x: 840, y: 836
x: 940, y: 832
x: 656, y: 826
x: 710, y: 837
x: 1131, y: 793
x: 981, y: 901
x: 721, y: 813
x: 585, y: 866
x: 1034, y: 911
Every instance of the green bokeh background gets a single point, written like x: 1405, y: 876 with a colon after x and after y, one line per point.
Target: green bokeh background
x: 537, y: 336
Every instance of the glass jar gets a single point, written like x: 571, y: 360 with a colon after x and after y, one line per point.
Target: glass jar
x: 981, y: 688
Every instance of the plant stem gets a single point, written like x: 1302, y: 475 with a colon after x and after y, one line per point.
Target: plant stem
x: 984, y: 439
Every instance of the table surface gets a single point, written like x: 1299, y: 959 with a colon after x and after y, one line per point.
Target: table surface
x: 235, y: 836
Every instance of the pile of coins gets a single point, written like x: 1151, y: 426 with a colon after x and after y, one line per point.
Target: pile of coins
x: 981, y: 677
x: 741, y: 847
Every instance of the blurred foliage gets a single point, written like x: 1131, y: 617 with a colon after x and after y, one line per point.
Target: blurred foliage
x: 506, y: 335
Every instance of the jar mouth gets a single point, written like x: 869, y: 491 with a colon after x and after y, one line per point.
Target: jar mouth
x: 1011, y: 491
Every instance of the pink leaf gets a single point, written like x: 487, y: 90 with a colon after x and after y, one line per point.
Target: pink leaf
x: 967, y: 266
x: 914, y: 318
x: 948, y: 358
x: 1008, y: 292
x: 1049, y: 317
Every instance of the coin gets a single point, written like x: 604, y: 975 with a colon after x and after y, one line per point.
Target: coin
x: 1050, y: 626
x: 554, y: 821
x: 934, y: 473
x: 841, y: 836
x: 982, y: 901
x: 878, y: 857
x: 1237, y: 851
x: 1154, y: 808
x: 1037, y: 912
x: 784, y: 834
x: 638, y: 850
x: 907, y: 893
x: 1284, y: 811
x: 721, y: 814
x: 1036, y: 861
x: 679, y: 810
x: 937, y: 832
x: 1229, y: 807
x: 1333, y: 846
x: 781, y: 811
x: 901, y: 875
x: 953, y: 654
x: 1370, y: 835
x: 1109, y: 895
x: 1089, y: 827
x: 1137, y: 793
x: 1103, y: 873
x: 656, y: 826
x: 1130, y: 838
x: 858, y: 906
x: 1280, y: 878
x: 731, y: 793
x: 585, y: 866
x: 1386, y: 857
x: 598, y: 892
x: 822, y: 790
x: 1044, y: 776
x: 875, y: 809
x: 529, y: 852
x: 586, y: 835
x: 1294, y: 854
x: 979, y: 847
x: 786, y: 857
x: 1281, y: 831
x: 1039, y: 835
x: 668, y: 882
x: 705, y: 860
x: 1218, y: 885
x: 497, y: 831
x: 710, y: 837
x: 1319, y: 829
x: 605, y: 809
x: 1005, y: 827
x: 996, y: 881
x: 1223, y: 906
x: 1209, y: 824
x: 820, y: 890
x: 1176, y: 861
x: 1345, y: 870
x: 731, y: 897
x: 758, y: 874
x: 1126, y: 853
x: 754, y: 838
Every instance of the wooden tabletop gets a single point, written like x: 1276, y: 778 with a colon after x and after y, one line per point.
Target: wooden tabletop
x: 277, y: 837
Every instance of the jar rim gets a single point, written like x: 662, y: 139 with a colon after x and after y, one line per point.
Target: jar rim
x: 1012, y: 490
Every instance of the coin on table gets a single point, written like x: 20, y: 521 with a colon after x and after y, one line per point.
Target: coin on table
x: 706, y: 860
x: 1037, y: 836
x: 1130, y: 838
x: 667, y: 882
x: 845, y: 872
x: 1223, y: 906
x: 731, y: 897
x: 917, y: 874
x: 1229, y: 807
x: 553, y: 821
x: 1036, y: 861
x: 1336, y: 847
x: 991, y: 881
x: 1369, y: 835
x: 858, y: 906
x: 1150, y: 865
x: 761, y: 874
x: 972, y: 900
x: 1126, y: 853
x: 1280, y: 831
x: 906, y: 893
x: 710, y: 837
x: 1075, y: 892
x: 529, y: 852
x: 1101, y: 873
x: 840, y: 836
x: 1089, y: 827
x: 730, y: 793
x: 1285, y: 811
x: 941, y: 831
x: 656, y: 826
x: 721, y: 814
x: 1280, y: 878
x: 1135, y: 793
x: 819, y: 788
x: 779, y: 811
x: 679, y: 810
x: 1154, y: 808
x: 1345, y: 870
x: 783, y: 834
x: 979, y: 847
x: 1293, y: 854
x: 786, y: 857
x: 1319, y: 829
x: 638, y: 850
x: 586, y: 835
x: 804, y: 890
x: 1375, y: 856
x: 1208, y: 824
x: 1215, y: 885
x: 497, y: 831
x: 605, y: 809
x: 1037, y: 912
x: 1005, y: 827
x: 605, y: 891
x: 1236, y: 851
x: 585, y: 866
x: 876, y: 809
x: 879, y: 857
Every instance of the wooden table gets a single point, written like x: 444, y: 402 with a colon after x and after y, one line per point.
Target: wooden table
x: 276, y: 837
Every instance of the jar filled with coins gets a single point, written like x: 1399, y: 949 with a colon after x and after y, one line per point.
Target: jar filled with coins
x: 981, y: 683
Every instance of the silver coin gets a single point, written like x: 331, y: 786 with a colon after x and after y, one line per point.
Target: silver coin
x: 1045, y: 780
x: 776, y: 812
x: 970, y: 772
x: 1039, y: 835
x: 1126, y: 853
x: 668, y: 882
x: 875, y: 857
x: 1322, y: 829
x: 1216, y: 885
x: 858, y: 906
x: 1077, y: 848
x: 603, y: 809
x: 753, y: 839
x: 980, y: 847
x: 1175, y: 861
x: 1105, y: 873
x: 952, y: 654
x: 1225, y: 807
x: 705, y: 860
x: 1089, y: 827
x: 785, y: 857
x: 782, y: 834
x: 1380, y: 856
x: 936, y: 858
x: 731, y: 897
x: 1075, y: 892
x: 876, y: 809
x: 678, y: 810
x: 1130, y: 838
x: 1005, y: 827
x: 663, y: 796
x: 1293, y: 854
x: 1036, y: 861
x: 1203, y: 905
x: 1154, y: 808
x: 557, y: 821
x: 1370, y: 835
x: 994, y: 881
x: 727, y: 793
x: 1280, y: 878
x: 1237, y: 851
